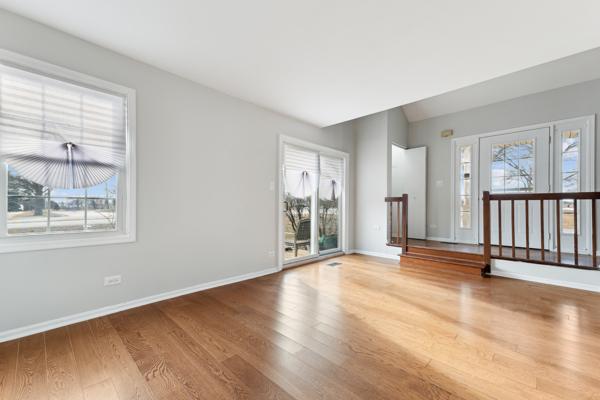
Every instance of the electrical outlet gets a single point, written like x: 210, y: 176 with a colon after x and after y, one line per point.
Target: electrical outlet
x: 377, y: 227
x: 272, y: 186
x: 271, y: 253
x: 112, y: 280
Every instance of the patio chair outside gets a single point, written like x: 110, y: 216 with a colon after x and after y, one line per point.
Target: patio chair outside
x: 301, y: 237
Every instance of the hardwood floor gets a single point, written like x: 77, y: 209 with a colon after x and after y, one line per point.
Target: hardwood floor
x: 366, y: 329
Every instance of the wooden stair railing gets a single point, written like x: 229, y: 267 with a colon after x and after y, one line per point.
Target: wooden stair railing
x: 528, y: 198
x: 400, y: 204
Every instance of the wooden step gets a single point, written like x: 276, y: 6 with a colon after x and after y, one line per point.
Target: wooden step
x: 450, y: 260
x: 411, y: 261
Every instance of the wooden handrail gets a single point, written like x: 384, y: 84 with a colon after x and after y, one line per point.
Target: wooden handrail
x: 546, y: 196
x: 401, y: 238
x: 553, y: 199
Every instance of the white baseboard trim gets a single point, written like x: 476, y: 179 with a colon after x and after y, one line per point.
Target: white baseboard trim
x: 376, y: 254
x: 555, y: 282
x: 100, y: 312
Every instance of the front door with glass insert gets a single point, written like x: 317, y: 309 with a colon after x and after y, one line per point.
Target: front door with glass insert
x: 516, y: 163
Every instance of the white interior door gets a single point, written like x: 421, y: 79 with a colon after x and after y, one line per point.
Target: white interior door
x: 409, y: 175
x: 517, y: 162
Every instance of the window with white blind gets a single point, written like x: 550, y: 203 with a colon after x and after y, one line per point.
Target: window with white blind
x: 313, y: 190
x: 67, y: 151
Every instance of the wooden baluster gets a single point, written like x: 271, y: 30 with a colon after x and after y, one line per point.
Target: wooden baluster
x: 404, y: 223
x: 527, y: 229
x: 575, y: 234
x: 594, y: 235
x: 500, y: 228
x: 398, y: 219
x: 512, y: 226
x: 487, y: 233
x: 542, y: 235
x: 558, y: 230
x: 390, y: 223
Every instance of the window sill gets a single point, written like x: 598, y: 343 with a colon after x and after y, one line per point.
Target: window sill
x: 51, y: 242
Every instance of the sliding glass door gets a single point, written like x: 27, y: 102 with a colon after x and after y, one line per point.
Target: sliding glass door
x: 330, y: 190
x: 312, y: 202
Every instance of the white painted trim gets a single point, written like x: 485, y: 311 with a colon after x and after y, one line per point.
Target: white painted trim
x: 529, y: 278
x: 376, y: 254
x: 99, y: 312
x: 53, y: 241
x: 309, y: 260
x: 516, y: 129
x: 126, y: 205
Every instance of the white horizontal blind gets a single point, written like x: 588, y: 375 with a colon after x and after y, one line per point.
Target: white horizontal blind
x: 58, y: 133
x: 301, y: 171
x: 331, y: 177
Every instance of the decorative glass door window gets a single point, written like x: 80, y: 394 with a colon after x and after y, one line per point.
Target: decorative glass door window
x: 513, y: 167
x: 570, y: 171
x: 466, y: 154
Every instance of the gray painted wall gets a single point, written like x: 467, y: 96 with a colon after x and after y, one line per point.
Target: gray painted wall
x: 373, y: 182
x: 212, y: 155
x: 398, y: 127
x: 567, y: 102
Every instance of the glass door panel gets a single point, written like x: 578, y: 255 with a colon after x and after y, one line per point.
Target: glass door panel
x: 330, y: 190
x: 516, y: 163
x: 329, y: 223
x: 571, y: 157
x: 297, y: 227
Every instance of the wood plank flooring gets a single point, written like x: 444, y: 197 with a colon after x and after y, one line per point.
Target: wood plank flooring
x: 366, y: 329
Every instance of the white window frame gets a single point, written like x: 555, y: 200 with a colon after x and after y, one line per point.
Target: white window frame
x: 344, y: 204
x: 126, y: 196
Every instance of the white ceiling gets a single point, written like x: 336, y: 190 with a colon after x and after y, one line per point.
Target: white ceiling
x: 566, y: 71
x: 329, y: 61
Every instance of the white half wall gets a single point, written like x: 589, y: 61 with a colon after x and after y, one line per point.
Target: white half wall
x: 205, y: 210
x: 567, y: 277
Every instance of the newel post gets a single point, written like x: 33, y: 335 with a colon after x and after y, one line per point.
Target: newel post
x: 487, y: 233
x: 404, y: 223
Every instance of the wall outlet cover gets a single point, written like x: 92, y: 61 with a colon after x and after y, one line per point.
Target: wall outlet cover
x: 112, y: 280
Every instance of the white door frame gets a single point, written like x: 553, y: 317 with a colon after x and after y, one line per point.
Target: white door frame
x: 588, y: 169
x: 344, y: 204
